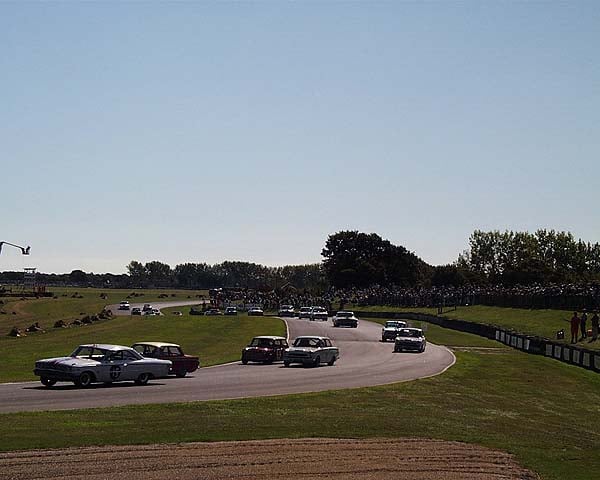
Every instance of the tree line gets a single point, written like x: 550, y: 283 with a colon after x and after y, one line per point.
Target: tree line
x: 524, y: 258
x: 232, y: 274
x: 359, y: 260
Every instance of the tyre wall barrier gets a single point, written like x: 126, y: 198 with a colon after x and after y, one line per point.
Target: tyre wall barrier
x: 571, y: 354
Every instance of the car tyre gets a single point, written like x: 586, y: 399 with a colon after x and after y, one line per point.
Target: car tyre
x: 47, y: 382
x: 331, y: 362
x: 84, y: 380
x: 181, y: 373
x: 142, y: 379
x: 244, y: 361
x: 286, y: 364
x: 317, y: 362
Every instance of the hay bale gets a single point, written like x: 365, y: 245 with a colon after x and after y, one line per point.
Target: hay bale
x: 34, y: 327
x: 16, y: 332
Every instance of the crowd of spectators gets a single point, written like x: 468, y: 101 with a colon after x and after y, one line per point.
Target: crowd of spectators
x: 557, y: 296
x: 272, y: 300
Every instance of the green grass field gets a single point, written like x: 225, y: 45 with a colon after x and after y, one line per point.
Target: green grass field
x: 46, y: 311
x: 215, y: 339
x: 543, y: 411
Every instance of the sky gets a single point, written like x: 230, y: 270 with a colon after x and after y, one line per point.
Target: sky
x: 212, y: 131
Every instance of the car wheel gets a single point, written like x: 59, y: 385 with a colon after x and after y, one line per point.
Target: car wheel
x: 48, y: 382
x: 181, y: 373
x: 142, y: 379
x: 84, y: 380
x: 244, y: 361
x: 286, y: 364
x: 331, y: 362
x: 317, y: 361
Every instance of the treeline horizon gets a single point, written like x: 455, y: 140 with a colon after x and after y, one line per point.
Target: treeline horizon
x: 357, y: 259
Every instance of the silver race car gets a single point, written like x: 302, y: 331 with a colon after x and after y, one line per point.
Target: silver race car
x: 100, y: 363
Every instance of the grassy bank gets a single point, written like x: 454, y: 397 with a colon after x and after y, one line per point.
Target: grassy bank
x: 72, y: 303
x: 544, y: 323
x: 216, y: 339
x: 542, y: 411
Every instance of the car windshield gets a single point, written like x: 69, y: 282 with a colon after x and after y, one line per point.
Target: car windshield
x: 410, y: 333
x: 91, y: 352
x: 395, y: 324
x: 307, y: 342
x: 261, y: 342
x: 344, y: 314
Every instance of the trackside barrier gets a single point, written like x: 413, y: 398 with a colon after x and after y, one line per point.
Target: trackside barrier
x: 571, y: 354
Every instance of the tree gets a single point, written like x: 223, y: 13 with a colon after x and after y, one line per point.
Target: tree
x: 353, y: 258
x: 138, y: 274
x: 78, y: 277
x: 159, y: 274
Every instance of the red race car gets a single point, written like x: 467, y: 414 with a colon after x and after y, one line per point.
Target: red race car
x: 265, y: 349
x: 182, y: 364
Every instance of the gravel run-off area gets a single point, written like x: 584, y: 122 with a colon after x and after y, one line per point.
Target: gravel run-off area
x: 414, y: 459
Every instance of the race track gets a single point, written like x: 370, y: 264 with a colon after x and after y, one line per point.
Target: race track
x: 364, y: 361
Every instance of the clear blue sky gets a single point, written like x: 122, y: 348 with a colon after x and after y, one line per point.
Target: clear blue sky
x: 198, y: 131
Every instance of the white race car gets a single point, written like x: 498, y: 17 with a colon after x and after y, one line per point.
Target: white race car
x: 100, y: 363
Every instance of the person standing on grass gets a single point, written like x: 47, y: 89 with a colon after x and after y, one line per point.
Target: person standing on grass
x: 595, y: 327
x: 583, y: 323
x: 574, y: 327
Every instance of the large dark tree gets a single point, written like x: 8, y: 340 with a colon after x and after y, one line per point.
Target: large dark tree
x: 353, y: 258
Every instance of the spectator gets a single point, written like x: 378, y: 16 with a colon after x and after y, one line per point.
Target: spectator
x: 574, y: 327
x: 583, y: 322
x: 595, y: 327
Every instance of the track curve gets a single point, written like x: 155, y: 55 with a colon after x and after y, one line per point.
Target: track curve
x: 364, y: 361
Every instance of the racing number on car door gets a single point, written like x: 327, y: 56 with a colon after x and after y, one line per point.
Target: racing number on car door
x: 114, y: 368
x: 115, y: 372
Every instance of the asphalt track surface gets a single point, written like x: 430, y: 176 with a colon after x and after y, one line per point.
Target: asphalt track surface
x: 364, y: 361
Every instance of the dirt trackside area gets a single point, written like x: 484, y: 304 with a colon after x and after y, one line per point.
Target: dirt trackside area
x: 304, y: 458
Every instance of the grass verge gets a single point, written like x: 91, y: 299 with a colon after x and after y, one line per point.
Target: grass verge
x: 544, y: 323
x: 72, y: 303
